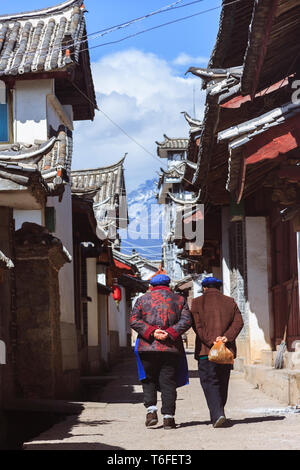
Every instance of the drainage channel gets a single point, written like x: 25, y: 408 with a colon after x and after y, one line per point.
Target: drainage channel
x: 275, y: 411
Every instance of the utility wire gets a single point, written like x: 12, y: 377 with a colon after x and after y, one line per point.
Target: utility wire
x: 110, y: 119
x: 114, y: 28
x: 136, y: 142
x: 140, y: 32
x: 145, y: 251
x: 161, y: 25
x: 165, y: 9
x: 136, y: 246
x: 111, y: 29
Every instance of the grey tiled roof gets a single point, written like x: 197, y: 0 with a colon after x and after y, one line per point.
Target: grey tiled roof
x: 37, y: 41
x: 173, y: 143
x: 173, y: 174
x: 109, y: 181
x: 109, y: 195
x: 60, y: 156
x: 47, y: 164
x: 195, y: 124
x: 136, y: 259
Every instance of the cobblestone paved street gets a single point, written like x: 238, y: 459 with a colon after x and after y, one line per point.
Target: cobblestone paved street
x: 116, y: 421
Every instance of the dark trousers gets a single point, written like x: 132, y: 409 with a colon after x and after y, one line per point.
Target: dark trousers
x: 160, y: 369
x: 214, y: 379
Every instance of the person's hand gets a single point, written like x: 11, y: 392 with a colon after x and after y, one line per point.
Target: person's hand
x: 221, y: 338
x: 160, y: 335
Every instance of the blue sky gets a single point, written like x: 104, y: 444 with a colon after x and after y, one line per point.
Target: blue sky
x: 193, y: 36
x: 140, y: 82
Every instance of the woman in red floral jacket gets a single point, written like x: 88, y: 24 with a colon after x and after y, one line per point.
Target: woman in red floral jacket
x: 160, y: 317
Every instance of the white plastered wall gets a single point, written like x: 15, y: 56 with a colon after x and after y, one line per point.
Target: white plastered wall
x: 33, y: 216
x: 33, y: 116
x: 123, y: 323
x: 103, y: 315
x: 258, y: 304
x: 225, y: 250
x: 117, y: 317
x: 30, y: 109
x: 30, y: 124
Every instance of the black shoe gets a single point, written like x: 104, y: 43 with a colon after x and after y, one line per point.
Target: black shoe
x: 151, y: 419
x: 220, y: 421
x: 169, y: 423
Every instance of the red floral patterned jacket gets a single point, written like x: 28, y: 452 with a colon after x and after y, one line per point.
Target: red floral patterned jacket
x: 160, y: 308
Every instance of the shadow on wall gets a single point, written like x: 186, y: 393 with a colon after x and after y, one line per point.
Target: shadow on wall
x: 21, y: 426
x: 125, y: 372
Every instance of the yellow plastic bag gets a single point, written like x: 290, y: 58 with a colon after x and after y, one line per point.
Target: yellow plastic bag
x: 220, y: 354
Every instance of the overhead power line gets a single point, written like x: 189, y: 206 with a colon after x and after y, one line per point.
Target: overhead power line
x: 165, y: 9
x: 111, y: 29
x: 101, y: 33
x: 137, y: 143
x: 140, y: 32
x: 128, y: 135
x: 202, y: 12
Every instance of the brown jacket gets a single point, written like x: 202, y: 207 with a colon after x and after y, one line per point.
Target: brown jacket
x: 215, y: 314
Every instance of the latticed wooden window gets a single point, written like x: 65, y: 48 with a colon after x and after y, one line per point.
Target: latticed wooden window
x: 4, y: 113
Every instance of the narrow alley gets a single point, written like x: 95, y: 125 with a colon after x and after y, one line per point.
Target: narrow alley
x: 116, y: 420
x: 149, y: 195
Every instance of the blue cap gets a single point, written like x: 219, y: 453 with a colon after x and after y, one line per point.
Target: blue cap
x: 208, y: 281
x: 160, y: 280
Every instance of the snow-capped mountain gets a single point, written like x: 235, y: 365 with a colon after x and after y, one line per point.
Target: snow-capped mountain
x: 145, y: 222
x: 145, y: 193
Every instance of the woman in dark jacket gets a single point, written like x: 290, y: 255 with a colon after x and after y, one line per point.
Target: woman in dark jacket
x: 160, y: 317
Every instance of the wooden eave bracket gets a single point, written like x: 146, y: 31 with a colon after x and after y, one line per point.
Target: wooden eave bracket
x: 55, y: 104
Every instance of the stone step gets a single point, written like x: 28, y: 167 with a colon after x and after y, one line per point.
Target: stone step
x: 282, y: 384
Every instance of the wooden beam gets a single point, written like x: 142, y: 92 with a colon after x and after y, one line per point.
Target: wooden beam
x: 261, y: 27
x: 238, y: 101
x: 290, y: 172
x: 268, y: 146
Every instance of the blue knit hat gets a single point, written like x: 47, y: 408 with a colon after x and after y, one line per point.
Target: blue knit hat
x: 160, y: 280
x: 211, y: 281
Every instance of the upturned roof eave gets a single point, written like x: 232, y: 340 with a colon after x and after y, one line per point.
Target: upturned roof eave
x: 99, y: 169
x: 56, y: 9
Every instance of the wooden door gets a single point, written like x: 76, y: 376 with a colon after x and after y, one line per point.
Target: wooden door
x: 285, y: 299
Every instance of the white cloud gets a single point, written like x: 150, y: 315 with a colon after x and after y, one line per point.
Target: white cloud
x: 144, y: 96
x: 185, y: 59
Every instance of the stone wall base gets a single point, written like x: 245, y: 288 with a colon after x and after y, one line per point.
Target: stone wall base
x: 70, y: 389
x: 282, y: 384
x: 94, y: 359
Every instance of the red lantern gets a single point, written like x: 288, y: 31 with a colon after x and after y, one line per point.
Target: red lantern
x: 117, y: 293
